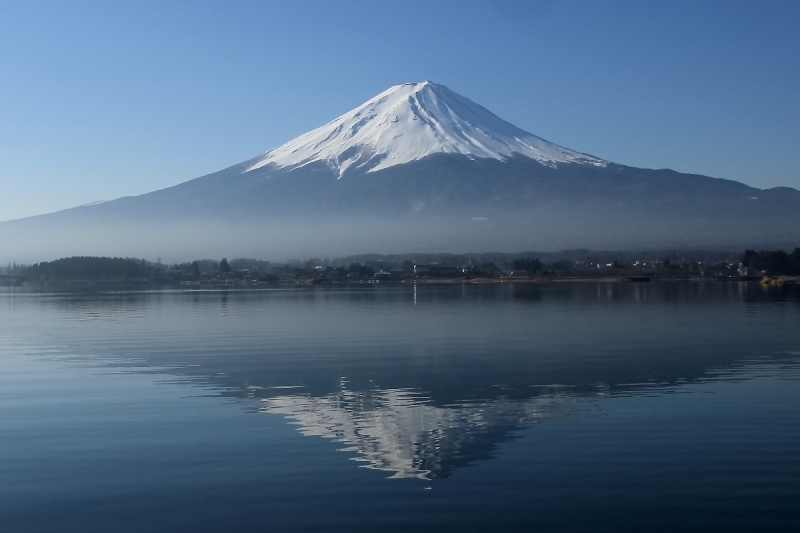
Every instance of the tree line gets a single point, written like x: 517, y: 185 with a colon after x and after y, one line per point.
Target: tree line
x: 775, y: 262
x: 93, y: 268
x: 90, y: 268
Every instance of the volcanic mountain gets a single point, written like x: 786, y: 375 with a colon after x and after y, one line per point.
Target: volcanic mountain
x: 418, y: 167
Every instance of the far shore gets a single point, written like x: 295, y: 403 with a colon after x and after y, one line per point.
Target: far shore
x: 765, y: 281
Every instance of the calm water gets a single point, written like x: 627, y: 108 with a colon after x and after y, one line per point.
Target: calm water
x: 565, y: 407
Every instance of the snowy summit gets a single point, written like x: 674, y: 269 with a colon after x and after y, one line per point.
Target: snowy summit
x: 411, y: 121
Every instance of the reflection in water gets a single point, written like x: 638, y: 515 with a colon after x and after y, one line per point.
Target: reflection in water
x: 399, y: 431
x: 434, y: 377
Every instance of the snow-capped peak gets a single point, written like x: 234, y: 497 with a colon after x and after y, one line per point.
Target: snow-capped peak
x: 411, y: 121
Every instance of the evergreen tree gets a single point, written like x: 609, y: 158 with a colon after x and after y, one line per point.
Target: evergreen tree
x: 224, y: 267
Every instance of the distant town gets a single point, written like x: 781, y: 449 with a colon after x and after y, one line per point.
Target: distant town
x: 770, y: 267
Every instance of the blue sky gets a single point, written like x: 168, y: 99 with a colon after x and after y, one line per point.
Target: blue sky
x: 105, y: 99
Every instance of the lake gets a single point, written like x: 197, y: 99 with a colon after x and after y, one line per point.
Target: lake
x: 507, y: 407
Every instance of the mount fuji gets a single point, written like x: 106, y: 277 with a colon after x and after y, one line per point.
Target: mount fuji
x: 417, y: 167
x: 410, y: 122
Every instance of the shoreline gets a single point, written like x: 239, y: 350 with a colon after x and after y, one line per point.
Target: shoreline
x: 765, y: 281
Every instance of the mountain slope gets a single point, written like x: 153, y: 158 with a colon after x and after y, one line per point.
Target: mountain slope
x: 418, y: 167
x: 410, y: 122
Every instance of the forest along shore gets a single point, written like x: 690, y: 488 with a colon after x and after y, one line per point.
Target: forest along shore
x: 772, y: 268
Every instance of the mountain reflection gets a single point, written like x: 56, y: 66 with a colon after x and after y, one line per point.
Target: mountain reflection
x: 418, y: 382
x: 399, y: 431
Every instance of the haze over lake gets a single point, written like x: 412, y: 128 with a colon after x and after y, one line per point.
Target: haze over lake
x: 561, y: 406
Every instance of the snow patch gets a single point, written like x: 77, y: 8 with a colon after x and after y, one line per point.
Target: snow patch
x: 408, y: 122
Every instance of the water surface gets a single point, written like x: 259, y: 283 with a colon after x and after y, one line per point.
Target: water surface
x: 563, y: 407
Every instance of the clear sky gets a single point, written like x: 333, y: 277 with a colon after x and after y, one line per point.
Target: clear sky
x: 106, y: 99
